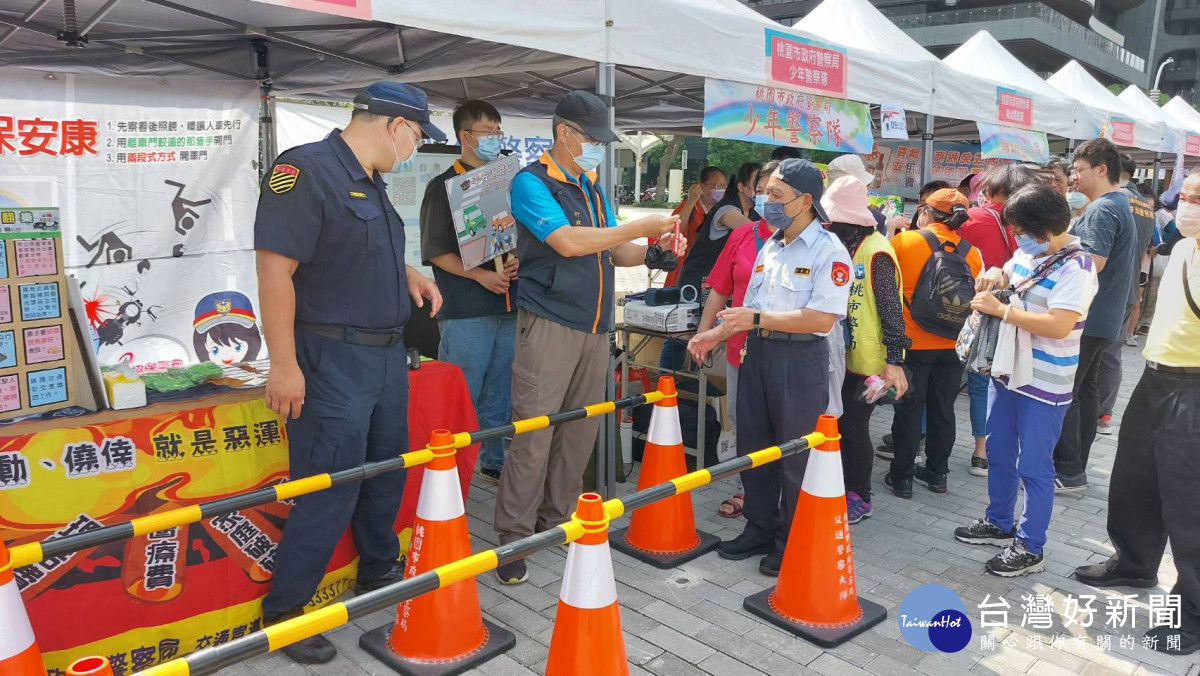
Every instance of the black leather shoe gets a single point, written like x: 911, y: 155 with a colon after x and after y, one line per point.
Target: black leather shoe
x: 394, y: 575
x: 901, y: 486
x: 770, y: 563
x: 936, y: 481
x: 1102, y: 575
x: 743, y: 547
x: 313, y: 650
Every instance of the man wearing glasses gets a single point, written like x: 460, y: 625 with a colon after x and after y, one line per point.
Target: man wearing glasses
x: 478, y: 322
x: 1106, y: 232
x: 568, y: 241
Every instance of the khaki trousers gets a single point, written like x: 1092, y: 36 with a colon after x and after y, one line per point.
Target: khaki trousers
x: 555, y: 368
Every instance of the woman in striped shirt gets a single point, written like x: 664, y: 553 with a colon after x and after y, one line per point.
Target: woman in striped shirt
x: 1055, y: 281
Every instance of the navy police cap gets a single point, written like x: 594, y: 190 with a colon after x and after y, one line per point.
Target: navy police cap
x: 396, y: 99
x: 804, y: 177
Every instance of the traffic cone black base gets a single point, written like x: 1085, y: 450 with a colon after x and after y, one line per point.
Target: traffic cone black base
x: 375, y: 642
x: 825, y: 636
x: 664, y: 560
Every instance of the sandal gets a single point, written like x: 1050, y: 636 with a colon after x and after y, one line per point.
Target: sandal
x: 732, y: 508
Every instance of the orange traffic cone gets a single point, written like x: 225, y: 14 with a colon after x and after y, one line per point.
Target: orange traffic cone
x: 815, y: 597
x: 442, y: 632
x: 664, y: 533
x: 19, y: 654
x: 587, y: 638
x: 90, y: 666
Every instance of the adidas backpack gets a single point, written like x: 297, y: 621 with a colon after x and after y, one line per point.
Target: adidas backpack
x: 941, y: 301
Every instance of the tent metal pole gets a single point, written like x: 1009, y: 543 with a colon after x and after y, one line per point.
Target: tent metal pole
x: 28, y: 16
x: 1154, y: 176
x: 606, y: 456
x: 927, y: 150
x: 266, y: 106
x: 98, y: 17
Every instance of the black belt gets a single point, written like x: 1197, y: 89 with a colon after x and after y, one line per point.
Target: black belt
x: 355, y: 336
x: 1184, y: 370
x: 787, y: 337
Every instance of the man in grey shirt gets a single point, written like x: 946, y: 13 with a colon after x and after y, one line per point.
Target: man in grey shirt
x: 1107, y: 232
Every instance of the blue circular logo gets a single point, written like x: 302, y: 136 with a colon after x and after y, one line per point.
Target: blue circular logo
x: 933, y: 618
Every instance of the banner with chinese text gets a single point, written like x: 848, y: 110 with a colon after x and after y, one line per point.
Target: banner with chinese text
x: 157, y: 184
x: 167, y: 593
x: 897, y: 165
x: 1010, y: 143
x: 743, y: 112
x: 807, y: 65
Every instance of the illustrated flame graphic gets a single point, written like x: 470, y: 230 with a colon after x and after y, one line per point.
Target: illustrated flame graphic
x: 97, y: 306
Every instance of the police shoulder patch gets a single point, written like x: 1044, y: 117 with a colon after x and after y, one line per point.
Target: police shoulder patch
x: 840, y: 273
x: 283, y: 178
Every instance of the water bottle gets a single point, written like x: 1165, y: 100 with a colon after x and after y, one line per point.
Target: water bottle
x: 876, y: 387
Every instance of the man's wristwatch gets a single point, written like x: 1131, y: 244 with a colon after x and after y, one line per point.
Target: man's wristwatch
x: 757, y: 320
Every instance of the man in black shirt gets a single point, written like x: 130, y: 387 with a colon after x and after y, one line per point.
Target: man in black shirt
x: 478, y: 323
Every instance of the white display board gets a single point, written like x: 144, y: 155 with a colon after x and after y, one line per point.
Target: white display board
x: 158, y: 184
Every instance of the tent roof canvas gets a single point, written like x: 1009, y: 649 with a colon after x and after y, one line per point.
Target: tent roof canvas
x: 1052, y: 112
x: 1185, y: 116
x: 1135, y: 98
x: 1099, y: 104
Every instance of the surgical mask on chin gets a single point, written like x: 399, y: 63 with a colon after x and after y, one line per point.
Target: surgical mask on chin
x: 1076, y: 200
x: 760, y: 202
x: 774, y: 215
x: 487, y: 148
x: 402, y: 165
x: 1031, y: 246
x: 1187, y: 219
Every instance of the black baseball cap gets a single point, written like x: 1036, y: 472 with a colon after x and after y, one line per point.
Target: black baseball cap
x: 589, y: 112
x: 804, y: 176
x: 396, y: 99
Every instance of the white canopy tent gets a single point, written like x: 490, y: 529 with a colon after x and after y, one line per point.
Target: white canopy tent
x: 1098, y: 106
x: 973, y: 98
x: 1141, y: 104
x: 1184, y: 115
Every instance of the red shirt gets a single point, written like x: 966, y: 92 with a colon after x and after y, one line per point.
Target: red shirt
x: 688, y: 230
x: 731, y: 275
x: 985, y: 232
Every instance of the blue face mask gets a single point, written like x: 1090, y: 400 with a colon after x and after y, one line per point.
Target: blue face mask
x: 1031, y: 246
x: 760, y: 202
x: 591, y: 154
x: 774, y: 215
x: 405, y: 164
x: 487, y: 148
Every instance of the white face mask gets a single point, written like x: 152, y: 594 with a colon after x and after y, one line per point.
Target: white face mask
x: 1187, y: 219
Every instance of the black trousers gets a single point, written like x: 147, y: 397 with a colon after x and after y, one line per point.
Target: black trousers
x: 1079, y: 425
x: 858, y: 455
x: 936, y: 377
x: 1152, y: 497
x: 782, y: 388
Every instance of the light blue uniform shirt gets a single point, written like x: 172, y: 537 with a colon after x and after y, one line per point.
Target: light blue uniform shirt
x: 813, y: 271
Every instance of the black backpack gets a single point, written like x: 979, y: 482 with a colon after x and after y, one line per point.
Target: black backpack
x: 941, y: 301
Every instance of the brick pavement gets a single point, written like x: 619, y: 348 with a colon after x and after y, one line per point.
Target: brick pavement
x: 689, y: 620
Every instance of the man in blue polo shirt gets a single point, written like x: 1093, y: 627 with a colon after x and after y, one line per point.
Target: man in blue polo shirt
x: 568, y: 243
x: 478, y: 323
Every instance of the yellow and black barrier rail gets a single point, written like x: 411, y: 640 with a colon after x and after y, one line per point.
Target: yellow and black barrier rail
x: 33, y: 552
x: 277, y: 636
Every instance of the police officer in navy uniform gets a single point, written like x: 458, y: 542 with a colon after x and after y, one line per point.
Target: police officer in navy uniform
x: 798, y: 292
x: 334, y: 293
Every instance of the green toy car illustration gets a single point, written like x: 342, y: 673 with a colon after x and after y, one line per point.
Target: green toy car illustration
x: 473, y: 221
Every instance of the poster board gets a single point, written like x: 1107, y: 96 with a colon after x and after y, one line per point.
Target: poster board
x: 483, y: 219
x: 36, y: 338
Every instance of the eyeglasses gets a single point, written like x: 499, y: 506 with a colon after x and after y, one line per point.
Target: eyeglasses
x: 582, y: 135
x: 1077, y: 170
x: 481, y: 134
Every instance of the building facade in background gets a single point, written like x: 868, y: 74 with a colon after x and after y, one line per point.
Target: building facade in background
x: 1119, y: 41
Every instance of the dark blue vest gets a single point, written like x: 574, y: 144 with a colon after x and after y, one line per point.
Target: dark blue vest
x: 576, y: 292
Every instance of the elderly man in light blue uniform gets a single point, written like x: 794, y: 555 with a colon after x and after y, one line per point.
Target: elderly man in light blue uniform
x: 798, y: 291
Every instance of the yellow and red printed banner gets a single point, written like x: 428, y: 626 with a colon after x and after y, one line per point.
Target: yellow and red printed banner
x: 355, y: 9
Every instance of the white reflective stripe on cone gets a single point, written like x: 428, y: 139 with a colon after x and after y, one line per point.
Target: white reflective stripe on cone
x: 664, y: 427
x: 823, y: 476
x: 441, y: 496
x: 15, y: 633
x: 588, y: 580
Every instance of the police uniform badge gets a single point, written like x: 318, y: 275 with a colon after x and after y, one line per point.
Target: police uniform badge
x: 840, y: 273
x: 283, y: 178
x: 860, y: 271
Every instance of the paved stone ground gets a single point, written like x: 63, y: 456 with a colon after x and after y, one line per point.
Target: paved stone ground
x: 690, y: 620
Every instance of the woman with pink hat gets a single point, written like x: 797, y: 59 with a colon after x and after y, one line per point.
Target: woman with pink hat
x: 873, y: 328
